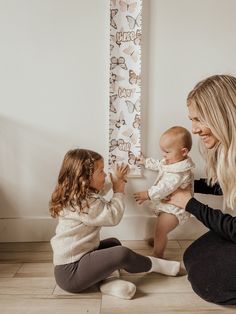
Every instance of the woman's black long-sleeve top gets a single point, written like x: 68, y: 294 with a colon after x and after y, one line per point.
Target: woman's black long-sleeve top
x: 222, y: 224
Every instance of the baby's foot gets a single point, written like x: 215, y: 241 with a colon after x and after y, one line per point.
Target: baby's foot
x: 150, y: 241
x: 157, y: 254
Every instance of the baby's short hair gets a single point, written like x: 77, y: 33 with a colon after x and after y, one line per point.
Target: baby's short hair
x: 181, y: 134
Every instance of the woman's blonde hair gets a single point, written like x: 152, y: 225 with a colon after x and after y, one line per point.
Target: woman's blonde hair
x: 73, y: 185
x: 215, y: 101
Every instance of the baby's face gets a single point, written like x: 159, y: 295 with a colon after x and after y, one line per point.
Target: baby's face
x: 172, y: 151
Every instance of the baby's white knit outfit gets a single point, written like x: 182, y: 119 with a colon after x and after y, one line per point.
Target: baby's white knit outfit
x: 169, y: 178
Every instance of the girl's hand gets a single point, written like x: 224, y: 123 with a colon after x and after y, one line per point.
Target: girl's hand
x: 141, y: 160
x: 121, y: 171
x: 180, y: 197
x: 140, y: 197
x: 118, y: 185
x: 119, y: 177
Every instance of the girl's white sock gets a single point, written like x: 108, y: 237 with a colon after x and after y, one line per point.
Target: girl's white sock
x: 115, y: 274
x: 118, y: 288
x: 162, y: 266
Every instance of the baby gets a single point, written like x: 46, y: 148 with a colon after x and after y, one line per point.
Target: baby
x: 174, y: 171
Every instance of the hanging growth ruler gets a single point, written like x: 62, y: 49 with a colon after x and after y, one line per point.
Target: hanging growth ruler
x: 125, y: 83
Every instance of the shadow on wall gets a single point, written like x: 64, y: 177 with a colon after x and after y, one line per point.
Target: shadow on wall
x: 29, y: 162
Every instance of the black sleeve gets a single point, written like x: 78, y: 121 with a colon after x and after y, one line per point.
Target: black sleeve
x: 201, y: 186
x: 222, y: 224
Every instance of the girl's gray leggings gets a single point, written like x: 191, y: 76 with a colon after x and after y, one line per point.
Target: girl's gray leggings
x: 98, y: 265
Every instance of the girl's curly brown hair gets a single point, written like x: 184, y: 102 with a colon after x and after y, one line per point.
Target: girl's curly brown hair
x: 73, y: 185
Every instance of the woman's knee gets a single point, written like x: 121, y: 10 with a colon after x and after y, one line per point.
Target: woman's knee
x: 209, y: 283
x: 213, y: 293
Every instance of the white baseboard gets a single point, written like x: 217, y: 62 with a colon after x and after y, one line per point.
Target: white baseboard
x: 132, y: 227
x: 27, y: 229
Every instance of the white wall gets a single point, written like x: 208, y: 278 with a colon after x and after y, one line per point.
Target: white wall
x: 54, y: 74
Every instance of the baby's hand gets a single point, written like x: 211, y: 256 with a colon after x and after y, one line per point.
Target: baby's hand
x: 141, y: 160
x: 141, y: 197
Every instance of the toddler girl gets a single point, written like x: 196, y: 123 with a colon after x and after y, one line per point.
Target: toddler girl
x: 81, y: 259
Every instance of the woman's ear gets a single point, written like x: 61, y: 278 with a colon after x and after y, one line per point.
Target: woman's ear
x: 184, y: 151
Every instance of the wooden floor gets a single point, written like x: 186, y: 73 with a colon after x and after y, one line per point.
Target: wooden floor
x: 27, y: 286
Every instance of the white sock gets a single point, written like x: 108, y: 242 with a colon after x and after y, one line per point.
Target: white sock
x: 164, y: 267
x: 118, y: 288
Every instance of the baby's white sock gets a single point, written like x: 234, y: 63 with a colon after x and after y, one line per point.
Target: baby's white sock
x: 164, y: 267
x: 118, y: 288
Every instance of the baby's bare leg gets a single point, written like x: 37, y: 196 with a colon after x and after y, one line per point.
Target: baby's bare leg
x: 165, y: 223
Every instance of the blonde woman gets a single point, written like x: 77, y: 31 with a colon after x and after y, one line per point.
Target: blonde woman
x: 211, y: 260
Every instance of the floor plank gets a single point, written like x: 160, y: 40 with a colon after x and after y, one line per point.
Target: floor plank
x: 35, y: 270
x: 161, y: 303
x: 9, y: 270
x: 25, y: 305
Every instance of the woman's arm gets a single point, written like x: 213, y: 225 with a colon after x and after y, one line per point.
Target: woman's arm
x: 222, y: 224
x: 164, y: 187
x: 201, y: 186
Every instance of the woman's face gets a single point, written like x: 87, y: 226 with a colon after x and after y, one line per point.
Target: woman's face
x: 208, y: 139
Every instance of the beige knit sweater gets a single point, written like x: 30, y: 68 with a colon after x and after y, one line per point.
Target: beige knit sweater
x: 78, y: 233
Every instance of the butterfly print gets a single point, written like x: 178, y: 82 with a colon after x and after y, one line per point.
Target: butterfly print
x: 114, y: 159
x: 124, y: 6
x: 134, y: 22
x: 133, y: 106
x: 113, y: 12
x: 119, y: 122
x: 114, y: 79
x: 137, y: 40
x: 130, y: 51
x: 110, y: 131
x: 131, y: 158
x: 118, y: 62
x: 131, y: 135
x: 113, y: 40
x: 112, y: 100
x: 134, y: 78
x: 137, y: 121
x: 120, y: 144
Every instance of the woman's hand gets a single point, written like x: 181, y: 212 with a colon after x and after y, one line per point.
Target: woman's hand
x: 180, y: 197
x: 140, y: 197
